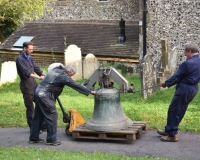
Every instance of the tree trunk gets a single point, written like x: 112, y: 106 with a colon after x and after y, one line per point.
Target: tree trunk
x: 2, y: 38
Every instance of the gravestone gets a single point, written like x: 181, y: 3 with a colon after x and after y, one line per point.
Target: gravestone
x: 173, y: 59
x: 90, y: 64
x: 53, y: 65
x: 73, y: 56
x: 148, y: 76
x: 8, y: 72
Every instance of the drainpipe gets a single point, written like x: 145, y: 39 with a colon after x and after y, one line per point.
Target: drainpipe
x: 144, y: 22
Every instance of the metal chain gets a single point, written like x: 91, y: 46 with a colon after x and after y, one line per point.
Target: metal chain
x: 147, y: 88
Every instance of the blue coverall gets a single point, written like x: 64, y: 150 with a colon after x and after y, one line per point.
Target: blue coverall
x: 45, y: 98
x: 186, y: 78
x: 25, y: 67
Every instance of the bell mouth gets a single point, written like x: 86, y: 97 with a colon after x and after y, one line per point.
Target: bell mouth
x: 118, y: 125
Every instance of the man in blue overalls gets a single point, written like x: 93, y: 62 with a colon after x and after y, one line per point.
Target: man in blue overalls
x: 45, y: 98
x: 186, y: 78
x: 26, y: 69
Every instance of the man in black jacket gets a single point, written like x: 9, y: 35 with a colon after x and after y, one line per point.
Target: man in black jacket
x: 26, y: 68
x: 45, y: 98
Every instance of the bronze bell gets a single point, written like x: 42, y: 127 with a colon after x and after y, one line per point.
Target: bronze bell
x: 108, y: 114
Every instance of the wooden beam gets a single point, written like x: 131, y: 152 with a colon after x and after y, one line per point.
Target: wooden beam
x: 129, y: 60
x: 114, y: 59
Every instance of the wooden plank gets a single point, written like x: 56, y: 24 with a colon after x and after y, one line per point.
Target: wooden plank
x: 76, y: 134
x: 130, y: 60
x: 102, y: 135
x: 131, y: 137
x: 144, y: 124
x: 139, y: 133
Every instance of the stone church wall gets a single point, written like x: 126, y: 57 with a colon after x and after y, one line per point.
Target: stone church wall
x: 94, y: 9
x: 178, y: 21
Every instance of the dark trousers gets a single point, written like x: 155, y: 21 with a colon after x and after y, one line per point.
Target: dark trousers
x: 45, y: 110
x: 179, y: 104
x: 28, y: 102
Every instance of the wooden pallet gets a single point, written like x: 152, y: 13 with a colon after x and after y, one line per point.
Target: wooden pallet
x: 129, y: 134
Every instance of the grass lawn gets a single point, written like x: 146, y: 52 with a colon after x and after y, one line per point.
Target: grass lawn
x: 19, y: 153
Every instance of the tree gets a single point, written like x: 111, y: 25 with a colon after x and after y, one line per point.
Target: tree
x: 14, y: 12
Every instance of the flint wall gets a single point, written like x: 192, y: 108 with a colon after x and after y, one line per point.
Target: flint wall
x: 178, y: 21
x: 94, y: 9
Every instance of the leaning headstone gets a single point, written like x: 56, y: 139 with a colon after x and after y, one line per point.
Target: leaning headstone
x: 73, y: 56
x: 8, y: 72
x: 173, y: 59
x: 148, y: 77
x: 90, y: 64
